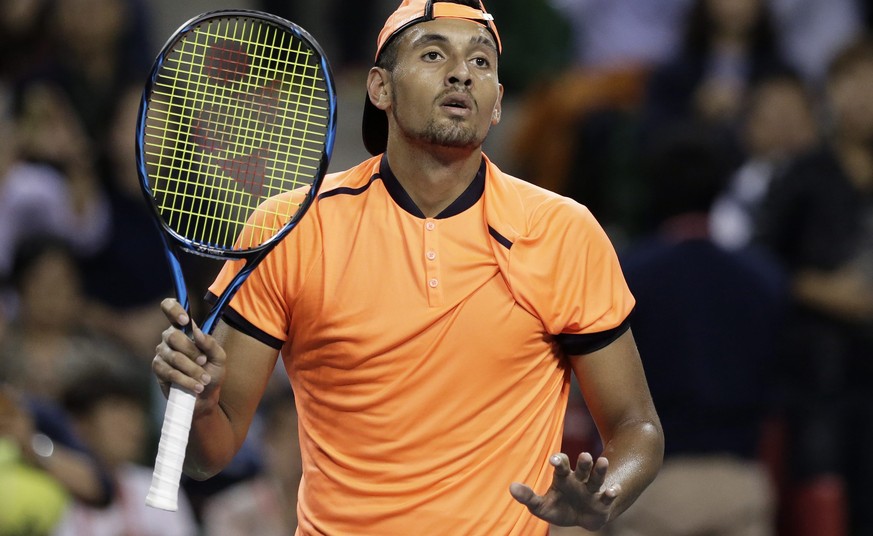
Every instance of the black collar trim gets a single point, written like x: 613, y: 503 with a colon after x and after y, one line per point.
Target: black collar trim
x: 467, y: 199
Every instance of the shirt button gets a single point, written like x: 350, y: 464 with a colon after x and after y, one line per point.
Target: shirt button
x: 431, y: 255
x: 433, y: 283
x: 430, y: 226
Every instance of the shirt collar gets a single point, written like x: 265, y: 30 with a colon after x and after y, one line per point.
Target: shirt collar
x: 464, y: 201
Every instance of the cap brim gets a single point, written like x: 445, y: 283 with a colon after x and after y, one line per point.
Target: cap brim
x: 374, y: 128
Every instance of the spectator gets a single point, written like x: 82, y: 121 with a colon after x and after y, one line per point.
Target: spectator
x: 778, y: 125
x: 618, y: 43
x: 47, y: 181
x: 110, y: 414
x: 818, y: 220
x: 129, y: 275
x: 707, y: 321
x: 47, y: 347
x: 43, y: 465
x: 100, y: 46
x: 812, y: 32
x: 727, y: 46
x: 23, y: 40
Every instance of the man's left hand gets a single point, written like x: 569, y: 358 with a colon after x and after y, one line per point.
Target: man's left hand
x: 576, y: 497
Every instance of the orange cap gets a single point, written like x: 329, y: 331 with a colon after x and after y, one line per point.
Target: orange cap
x: 411, y: 12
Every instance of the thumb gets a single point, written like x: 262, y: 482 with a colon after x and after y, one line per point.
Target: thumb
x: 524, y: 494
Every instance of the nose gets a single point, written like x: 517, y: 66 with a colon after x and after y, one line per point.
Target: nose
x: 459, y: 73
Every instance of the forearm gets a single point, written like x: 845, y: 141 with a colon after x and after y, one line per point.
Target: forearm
x: 635, y: 453
x: 844, y: 294
x: 212, y: 442
x: 77, y: 472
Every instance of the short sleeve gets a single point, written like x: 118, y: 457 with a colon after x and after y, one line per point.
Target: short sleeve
x: 565, y: 270
x: 262, y: 305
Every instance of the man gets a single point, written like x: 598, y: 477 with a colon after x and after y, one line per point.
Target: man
x: 429, y: 311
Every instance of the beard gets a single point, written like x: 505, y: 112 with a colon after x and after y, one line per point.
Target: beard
x: 454, y: 135
x: 447, y: 132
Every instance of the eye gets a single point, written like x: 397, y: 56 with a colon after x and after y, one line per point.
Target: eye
x: 481, y: 62
x: 432, y: 56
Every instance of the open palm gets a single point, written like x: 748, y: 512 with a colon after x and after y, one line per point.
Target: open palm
x: 576, y: 497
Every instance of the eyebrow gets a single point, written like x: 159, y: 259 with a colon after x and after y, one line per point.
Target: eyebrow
x: 429, y: 38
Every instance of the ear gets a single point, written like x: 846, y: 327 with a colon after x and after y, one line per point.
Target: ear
x: 498, y: 106
x: 379, y: 87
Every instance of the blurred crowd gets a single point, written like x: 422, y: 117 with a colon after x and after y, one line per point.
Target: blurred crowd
x: 725, y: 145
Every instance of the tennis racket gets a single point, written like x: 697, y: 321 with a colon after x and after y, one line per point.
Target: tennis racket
x: 234, y: 135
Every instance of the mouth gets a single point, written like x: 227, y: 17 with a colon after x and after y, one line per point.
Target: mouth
x: 457, y: 104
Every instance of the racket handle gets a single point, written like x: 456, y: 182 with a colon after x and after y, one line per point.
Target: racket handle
x: 164, y: 491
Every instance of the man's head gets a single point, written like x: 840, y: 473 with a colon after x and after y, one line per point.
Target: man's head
x: 450, y: 46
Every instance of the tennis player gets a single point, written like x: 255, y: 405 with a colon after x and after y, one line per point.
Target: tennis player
x: 429, y: 311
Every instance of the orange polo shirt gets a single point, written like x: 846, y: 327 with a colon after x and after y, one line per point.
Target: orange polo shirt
x: 426, y: 354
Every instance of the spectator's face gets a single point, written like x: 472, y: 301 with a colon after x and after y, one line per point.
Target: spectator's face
x: 851, y: 101
x: 116, y: 430
x: 444, y: 89
x: 90, y: 26
x: 781, y: 121
x: 19, y: 16
x: 735, y: 16
x: 51, y: 292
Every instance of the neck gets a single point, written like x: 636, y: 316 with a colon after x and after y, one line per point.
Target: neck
x: 434, y: 178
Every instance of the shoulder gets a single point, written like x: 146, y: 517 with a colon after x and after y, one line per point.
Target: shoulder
x: 525, y: 209
x: 353, y: 178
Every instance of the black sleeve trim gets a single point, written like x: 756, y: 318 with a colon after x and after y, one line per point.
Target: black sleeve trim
x: 581, y: 344
x: 239, y: 323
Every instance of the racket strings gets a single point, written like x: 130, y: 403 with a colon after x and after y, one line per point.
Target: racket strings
x: 239, y: 114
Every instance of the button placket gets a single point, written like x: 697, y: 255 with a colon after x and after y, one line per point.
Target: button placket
x: 432, y: 267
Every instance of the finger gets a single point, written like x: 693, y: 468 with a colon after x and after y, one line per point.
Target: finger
x: 561, y: 463
x: 167, y: 373
x: 180, y: 353
x: 208, y: 346
x: 174, y: 312
x: 206, y: 343
x: 597, y: 475
x: 526, y: 496
x: 610, y: 495
x: 584, y: 463
x: 178, y: 341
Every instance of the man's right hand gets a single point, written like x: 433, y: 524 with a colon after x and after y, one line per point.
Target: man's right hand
x: 196, y: 365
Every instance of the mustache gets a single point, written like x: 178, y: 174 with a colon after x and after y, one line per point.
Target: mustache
x: 458, y: 91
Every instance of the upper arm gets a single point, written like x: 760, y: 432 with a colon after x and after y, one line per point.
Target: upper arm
x: 248, y: 368
x: 614, y: 386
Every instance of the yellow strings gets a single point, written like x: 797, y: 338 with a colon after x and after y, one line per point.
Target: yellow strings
x: 238, y: 114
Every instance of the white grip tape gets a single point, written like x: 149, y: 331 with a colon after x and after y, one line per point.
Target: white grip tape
x: 164, y: 491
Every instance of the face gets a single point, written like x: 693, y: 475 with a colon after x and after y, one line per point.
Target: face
x: 444, y: 90
x: 91, y: 26
x: 781, y: 121
x: 735, y: 16
x: 58, y: 307
x: 116, y: 429
x: 852, y: 103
